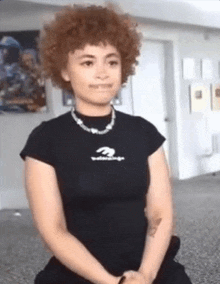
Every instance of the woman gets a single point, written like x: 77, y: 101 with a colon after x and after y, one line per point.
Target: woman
x: 91, y: 172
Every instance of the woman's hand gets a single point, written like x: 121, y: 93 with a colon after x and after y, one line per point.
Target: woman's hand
x: 135, y: 277
x: 116, y: 280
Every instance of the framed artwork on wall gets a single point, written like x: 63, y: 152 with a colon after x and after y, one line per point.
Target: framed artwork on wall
x: 216, y: 97
x: 207, y: 69
x: 199, y: 98
x: 189, y: 68
x: 22, y: 87
x: 219, y: 69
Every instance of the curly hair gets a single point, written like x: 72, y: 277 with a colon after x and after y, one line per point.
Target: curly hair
x: 77, y: 25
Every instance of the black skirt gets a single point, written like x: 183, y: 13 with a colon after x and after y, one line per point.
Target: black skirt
x: 171, y: 272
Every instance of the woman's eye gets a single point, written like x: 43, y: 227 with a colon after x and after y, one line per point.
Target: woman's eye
x: 113, y: 63
x: 87, y: 63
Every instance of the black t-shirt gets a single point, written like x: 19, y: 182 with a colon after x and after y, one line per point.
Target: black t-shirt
x: 103, y: 180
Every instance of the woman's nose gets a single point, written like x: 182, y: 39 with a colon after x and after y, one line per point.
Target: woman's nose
x: 101, y: 72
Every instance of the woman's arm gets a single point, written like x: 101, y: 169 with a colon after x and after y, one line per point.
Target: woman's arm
x: 46, y: 206
x: 159, y: 212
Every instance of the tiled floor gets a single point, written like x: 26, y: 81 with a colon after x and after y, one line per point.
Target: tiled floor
x: 197, y: 203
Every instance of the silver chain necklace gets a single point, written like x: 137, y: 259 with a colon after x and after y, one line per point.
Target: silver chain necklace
x: 94, y: 130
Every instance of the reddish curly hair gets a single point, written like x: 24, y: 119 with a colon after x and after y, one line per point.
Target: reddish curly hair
x: 77, y: 25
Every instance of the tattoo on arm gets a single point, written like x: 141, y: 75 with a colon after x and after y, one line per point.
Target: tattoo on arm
x: 153, y: 226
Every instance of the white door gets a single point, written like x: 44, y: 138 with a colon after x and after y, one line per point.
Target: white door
x: 148, y: 88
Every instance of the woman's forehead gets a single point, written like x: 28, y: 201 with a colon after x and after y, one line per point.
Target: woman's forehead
x: 96, y: 50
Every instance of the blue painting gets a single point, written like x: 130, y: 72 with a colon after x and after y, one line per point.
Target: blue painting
x: 22, y: 87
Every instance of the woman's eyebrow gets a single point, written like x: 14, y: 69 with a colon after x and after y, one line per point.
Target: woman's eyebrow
x: 86, y: 56
x: 112, y: 54
x: 93, y: 56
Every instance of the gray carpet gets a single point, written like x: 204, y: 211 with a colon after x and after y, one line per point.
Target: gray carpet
x: 197, y: 203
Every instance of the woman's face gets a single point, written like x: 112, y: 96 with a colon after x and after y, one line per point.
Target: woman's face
x: 94, y: 73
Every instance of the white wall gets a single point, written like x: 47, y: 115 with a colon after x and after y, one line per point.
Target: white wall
x: 183, y: 43
x: 197, y: 153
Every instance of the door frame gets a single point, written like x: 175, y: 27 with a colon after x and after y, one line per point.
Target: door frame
x: 170, y: 103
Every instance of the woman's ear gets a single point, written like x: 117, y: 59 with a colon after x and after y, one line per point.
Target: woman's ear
x: 65, y: 75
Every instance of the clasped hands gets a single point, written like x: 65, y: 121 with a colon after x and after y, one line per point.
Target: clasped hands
x: 135, y: 277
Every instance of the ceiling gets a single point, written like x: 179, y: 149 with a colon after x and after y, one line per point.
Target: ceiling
x: 198, y: 13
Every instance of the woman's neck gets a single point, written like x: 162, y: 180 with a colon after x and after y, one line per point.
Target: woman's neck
x: 93, y: 110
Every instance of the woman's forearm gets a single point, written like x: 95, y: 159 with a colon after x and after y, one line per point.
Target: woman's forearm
x: 156, y: 244
x: 75, y: 256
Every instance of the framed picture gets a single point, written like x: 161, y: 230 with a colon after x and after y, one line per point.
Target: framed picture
x: 199, y: 98
x: 219, y: 69
x: 22, y: 87
x: 189, y: 68
x: 68, y: 98
x: 216, y: 97
x: 207, y: 69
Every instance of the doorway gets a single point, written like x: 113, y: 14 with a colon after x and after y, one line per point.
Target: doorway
x: 149, y: 89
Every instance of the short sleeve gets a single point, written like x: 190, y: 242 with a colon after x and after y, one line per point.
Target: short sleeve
x: 154, y: 138
x: 39, y: 145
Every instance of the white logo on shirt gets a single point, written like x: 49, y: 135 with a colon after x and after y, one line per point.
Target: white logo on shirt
x: 109, y: 152
x: 108, y: 155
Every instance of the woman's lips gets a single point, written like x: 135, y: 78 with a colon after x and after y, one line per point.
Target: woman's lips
x: 100, y: 86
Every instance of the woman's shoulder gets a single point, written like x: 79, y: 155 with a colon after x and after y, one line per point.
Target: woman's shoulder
x: 53, y: 125
x: 136, y: 121
x: 42, y: 138
x: 59, y: 120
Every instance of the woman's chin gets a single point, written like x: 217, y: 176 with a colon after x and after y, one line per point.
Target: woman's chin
x: 103, y: 101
